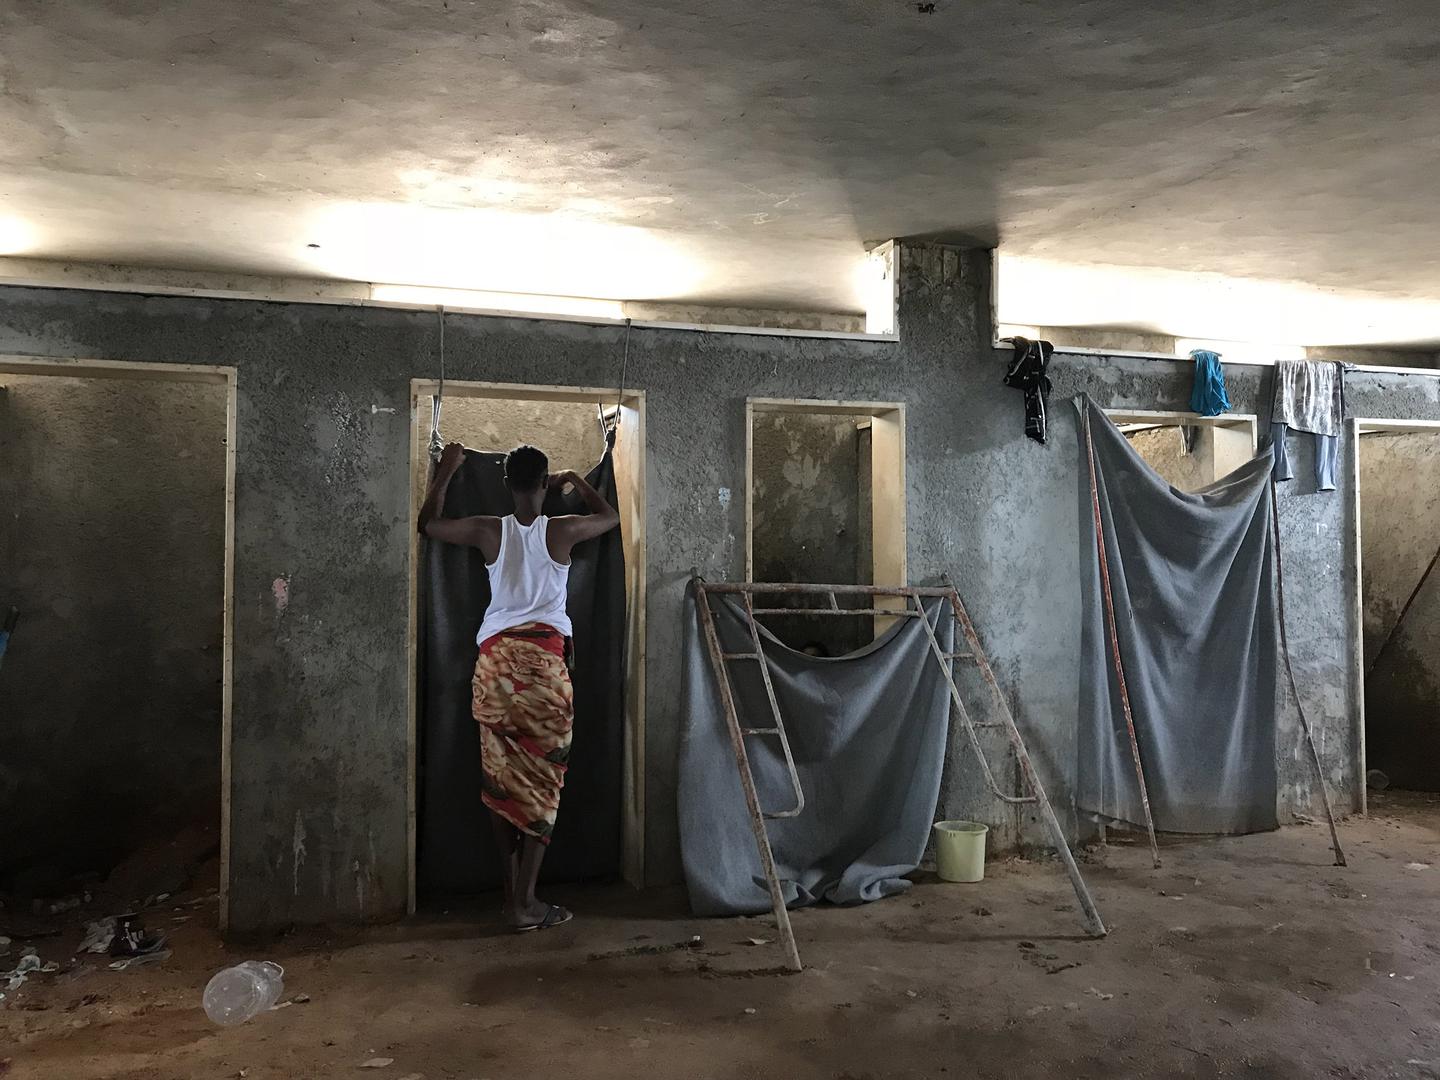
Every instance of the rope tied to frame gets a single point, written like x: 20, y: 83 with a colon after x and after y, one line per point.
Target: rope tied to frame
x: 437, y: 403
x: 612, y: 429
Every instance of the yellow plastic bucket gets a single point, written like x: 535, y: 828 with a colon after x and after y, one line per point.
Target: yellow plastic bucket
x: 960, y: 850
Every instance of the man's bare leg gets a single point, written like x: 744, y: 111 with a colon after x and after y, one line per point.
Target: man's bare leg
x: 507, y: 839
x: 528, y: 911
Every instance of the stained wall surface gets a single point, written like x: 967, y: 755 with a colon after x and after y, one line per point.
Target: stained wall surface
x: 319, y: 799
x: 568, y: 431
x: 1162, y: 450
x: 112, y: 548
x: 1399, y: 523
x: 1399, y: 536
x: 809, y: 521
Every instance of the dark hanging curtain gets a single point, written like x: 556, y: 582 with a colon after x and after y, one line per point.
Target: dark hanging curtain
x: 456, y: 850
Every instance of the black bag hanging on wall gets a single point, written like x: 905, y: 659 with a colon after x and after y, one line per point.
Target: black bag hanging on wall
x: 1027, y: 373
x: 457, y: 853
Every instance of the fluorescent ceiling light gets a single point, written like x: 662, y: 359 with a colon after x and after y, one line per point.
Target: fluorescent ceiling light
x: 16, y: 236
x: 1037, y: 292
x: 500, y: 301
x: 874, y: 280
x: 497, y: 251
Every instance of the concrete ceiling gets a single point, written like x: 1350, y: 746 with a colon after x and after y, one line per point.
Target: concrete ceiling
x: 722, y: 152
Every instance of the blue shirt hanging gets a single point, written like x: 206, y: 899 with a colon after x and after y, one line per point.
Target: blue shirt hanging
x: 1208, y: 395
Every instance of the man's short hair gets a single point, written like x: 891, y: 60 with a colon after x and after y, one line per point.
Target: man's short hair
x: 525, y: 468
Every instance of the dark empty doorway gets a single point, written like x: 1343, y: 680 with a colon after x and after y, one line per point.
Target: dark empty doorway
x: 1399, y: 510
x: 825, y: 503
x: 113, y: 549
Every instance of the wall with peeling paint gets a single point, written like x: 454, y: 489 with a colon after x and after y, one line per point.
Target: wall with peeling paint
x: 567, y: 431
x: 1162, y: 450
x: 322, y: 499
x: 809, y: 521
x: 112, y: 547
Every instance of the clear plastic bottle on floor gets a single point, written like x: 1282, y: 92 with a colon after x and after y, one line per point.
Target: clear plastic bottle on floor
x: 244, y: 991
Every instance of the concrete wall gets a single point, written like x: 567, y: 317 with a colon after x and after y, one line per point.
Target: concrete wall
x: 809, y: 524
x: 711, y: 315
x: 1161, y: 448
x: 112, y: 547
x: 1381, y: 357
x: 1399, y: 524
x: 1120, y: 339
x: 567, y: 431
x: 1101, y: 337
x: 320, y: 687
x: 1218, y: 450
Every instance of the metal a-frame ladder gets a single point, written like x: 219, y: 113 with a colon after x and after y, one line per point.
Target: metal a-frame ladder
x: 914, y: 598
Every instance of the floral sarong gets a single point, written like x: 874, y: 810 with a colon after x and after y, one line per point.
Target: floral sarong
x: 522, y: 701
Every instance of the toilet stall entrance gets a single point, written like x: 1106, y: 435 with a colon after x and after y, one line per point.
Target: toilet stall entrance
x: 1397, y: 484
x: 599, y: 831
x: 116, y: 553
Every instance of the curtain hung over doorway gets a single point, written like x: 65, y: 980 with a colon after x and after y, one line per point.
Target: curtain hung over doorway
x: 1191, y: 579
x: 868, y: 734
x: 457, y: 853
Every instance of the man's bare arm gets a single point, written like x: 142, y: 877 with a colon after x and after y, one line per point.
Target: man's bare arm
x: 481, y: 532
x: 572, y: 529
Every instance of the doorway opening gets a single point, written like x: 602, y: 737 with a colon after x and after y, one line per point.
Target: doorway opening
x: 1187, y: 450
x: 1397, y: 474
x: 116, y: 556
x: 568, y: 424
x: 825, y: 504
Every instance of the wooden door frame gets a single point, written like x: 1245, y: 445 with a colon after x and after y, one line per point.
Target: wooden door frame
x: 630, y: 461
x: 79, y: 368
x: 889, y: 555
x: 1356, y: 426
x: 1173, y: 418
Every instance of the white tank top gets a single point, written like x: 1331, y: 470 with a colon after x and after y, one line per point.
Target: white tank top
x: 526, y: 584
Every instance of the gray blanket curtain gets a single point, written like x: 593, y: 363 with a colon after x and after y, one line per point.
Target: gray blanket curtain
x: 868, y: 734
x: 1191, y: 577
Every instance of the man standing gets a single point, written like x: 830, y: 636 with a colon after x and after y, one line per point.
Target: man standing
x: 521, y: 689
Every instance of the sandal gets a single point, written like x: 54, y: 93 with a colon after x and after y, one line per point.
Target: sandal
x: 555, y: 916
x: 131, y: 939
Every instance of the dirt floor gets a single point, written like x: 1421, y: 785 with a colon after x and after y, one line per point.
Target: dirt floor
x: 1250, y: 957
